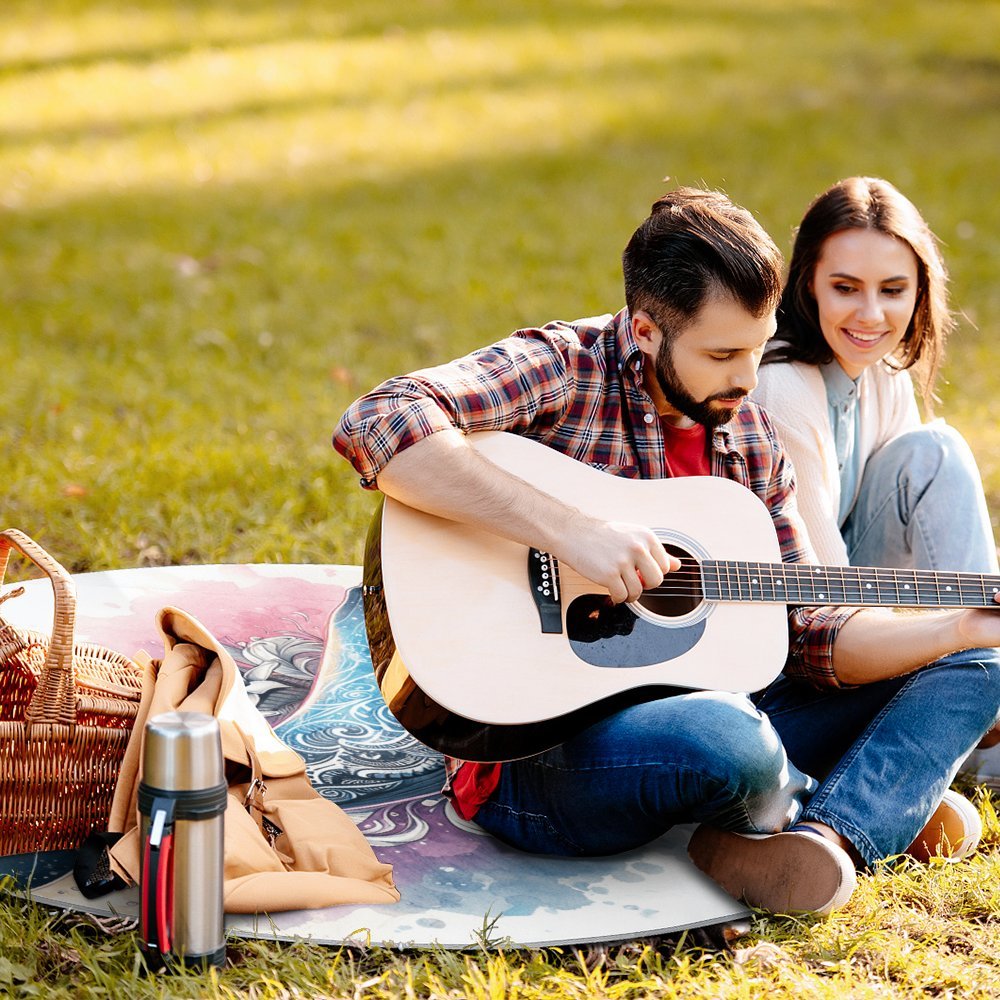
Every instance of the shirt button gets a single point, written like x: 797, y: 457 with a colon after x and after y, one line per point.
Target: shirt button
x: 648, y: 418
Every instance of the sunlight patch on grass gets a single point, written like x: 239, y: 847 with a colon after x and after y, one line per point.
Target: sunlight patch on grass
x: 352, y: 107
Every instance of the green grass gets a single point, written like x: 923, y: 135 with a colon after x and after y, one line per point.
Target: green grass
x: 909, y: 932
x: 221, y: 221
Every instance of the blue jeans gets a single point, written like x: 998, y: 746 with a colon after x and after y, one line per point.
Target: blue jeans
x: 921, y: 506
x: 885, y: 753
x: 694, y: 757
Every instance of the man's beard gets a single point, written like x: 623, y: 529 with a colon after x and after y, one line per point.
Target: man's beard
x: 680, y: 399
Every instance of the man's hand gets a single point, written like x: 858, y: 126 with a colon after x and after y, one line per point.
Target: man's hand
x: 624, y: 558
x: 443, y: 475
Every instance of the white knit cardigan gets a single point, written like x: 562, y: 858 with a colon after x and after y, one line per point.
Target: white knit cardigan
x: 794, y: 395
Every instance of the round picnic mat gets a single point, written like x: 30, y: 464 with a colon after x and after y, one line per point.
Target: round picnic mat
x: 297, y: 634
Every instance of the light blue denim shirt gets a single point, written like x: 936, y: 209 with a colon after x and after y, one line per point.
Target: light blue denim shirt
x: 842, y: 401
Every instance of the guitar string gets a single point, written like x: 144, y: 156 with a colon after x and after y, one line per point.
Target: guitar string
x: 688, y: 581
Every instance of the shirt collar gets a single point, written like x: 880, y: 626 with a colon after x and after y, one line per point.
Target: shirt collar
x: 632, y: 360
x: 840, y: 387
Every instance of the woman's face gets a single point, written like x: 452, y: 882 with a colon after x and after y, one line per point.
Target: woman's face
x: 865, y: 285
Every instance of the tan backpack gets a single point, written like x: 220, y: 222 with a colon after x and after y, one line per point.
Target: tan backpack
x: 286, y: 847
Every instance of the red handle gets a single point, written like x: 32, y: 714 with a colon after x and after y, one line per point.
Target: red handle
x: 156, y: 911
x: 165, y: 893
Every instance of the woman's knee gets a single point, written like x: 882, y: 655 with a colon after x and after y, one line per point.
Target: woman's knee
x: 927, y: 452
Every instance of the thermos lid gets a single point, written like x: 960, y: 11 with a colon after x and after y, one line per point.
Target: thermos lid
x: 182, y: 752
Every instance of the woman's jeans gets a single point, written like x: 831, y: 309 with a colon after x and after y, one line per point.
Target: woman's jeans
x: 921, y: 506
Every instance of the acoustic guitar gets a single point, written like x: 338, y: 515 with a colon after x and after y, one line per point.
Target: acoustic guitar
x: 489, y: 650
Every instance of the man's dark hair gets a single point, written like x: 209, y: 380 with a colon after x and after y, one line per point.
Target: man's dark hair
x: 694, y: 244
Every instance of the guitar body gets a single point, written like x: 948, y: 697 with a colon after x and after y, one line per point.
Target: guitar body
x: 456, y: 630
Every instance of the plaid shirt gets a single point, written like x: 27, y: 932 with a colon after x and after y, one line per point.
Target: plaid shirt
x: 577, y: 387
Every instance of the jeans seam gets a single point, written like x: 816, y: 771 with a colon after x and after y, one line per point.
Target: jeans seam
x: 815, y: 809
x: 522, y: 814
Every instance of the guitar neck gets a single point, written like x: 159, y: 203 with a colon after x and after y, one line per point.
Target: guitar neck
x: 801, y: 583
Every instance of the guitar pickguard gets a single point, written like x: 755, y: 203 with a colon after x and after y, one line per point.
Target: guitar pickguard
x: 612, y: 635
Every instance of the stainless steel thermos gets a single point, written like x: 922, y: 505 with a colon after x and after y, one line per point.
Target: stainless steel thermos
x: 182, y: 801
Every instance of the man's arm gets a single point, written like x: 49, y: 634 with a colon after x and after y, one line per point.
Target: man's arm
x: 444, y: 475
x: 877, y: 643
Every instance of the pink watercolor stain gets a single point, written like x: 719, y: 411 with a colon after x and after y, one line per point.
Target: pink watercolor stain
x: 236, y: 607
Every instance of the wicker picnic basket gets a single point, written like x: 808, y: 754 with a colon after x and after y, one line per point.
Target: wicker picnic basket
x: 66, y: 711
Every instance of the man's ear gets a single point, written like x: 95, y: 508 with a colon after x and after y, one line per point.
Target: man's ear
x: 646, y: 333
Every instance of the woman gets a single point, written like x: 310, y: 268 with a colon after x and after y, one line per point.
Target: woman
x: 865, y: 304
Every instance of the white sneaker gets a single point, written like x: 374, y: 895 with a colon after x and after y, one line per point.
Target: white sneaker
x: 953, y: 832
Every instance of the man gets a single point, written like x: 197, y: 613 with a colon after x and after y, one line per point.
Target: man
x: 861, y: 737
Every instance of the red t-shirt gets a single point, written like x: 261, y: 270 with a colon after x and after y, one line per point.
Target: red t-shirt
x: 686, y: 450
x: 686, y: 455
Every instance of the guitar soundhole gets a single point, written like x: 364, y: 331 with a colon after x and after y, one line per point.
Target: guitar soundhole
x: 680, y: 593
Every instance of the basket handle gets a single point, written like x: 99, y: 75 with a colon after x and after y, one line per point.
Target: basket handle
x: 54, y: 700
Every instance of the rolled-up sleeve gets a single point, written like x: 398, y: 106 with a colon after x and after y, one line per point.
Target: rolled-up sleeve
x: 515, y: 384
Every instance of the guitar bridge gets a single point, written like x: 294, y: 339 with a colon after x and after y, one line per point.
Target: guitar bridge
x: 543, y: 577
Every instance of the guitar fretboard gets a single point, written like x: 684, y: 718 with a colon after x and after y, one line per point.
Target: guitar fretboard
x: 800, y: 583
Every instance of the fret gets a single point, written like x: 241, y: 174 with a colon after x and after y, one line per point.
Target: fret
x: 726, y: 586
x: 767, y: 583
x: 786, y: 582
x: 779, y: 582
x: 888, y: 587
x: 971, y: 586
x: 710, y: 580
x: 907, y: 587
x: 755, y: 572
x: 730, y: 591
x: 949, y: 589
x: 851, y: 583
x: 868, y: 586
x: 740, y: 574
x: 796, y: 593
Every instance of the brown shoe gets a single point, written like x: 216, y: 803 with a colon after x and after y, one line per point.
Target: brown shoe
x: 953, y: 832
x: 789, y: 872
